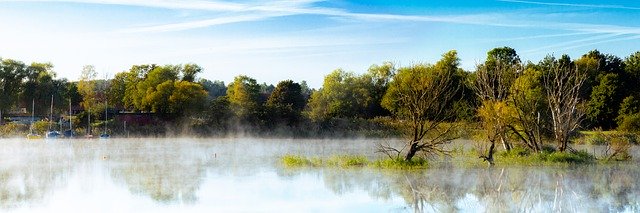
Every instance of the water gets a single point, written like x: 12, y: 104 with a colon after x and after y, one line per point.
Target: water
x: 241, y: 175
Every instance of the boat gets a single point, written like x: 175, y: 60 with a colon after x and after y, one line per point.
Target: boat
x: 69, y: 133
x: 32, y: 135
x: 52, y: 134
x: 104, y: 134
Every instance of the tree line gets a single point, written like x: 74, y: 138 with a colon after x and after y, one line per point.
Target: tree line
x: 505, y: 94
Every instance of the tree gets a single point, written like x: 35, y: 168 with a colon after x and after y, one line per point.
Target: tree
x: 493, y: 84
x: 11, y: 75
x: 189, y: 72
x: 243, y: 95
x: 343, y: 95
x: 86, y: 87
x: 154, y: 90
x: 604, y: 104
x: 605, y: 75
x: 527, y: 99
x: 214, y: 88
x: 377, y: 80
x: 286, y: 103
x: 419, y: 95
x: 563, y: 82
x: 187, y: 98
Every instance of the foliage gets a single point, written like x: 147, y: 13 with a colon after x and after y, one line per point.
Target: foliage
x: 87, y: 86
x: 243, y: 95
x: 421, y: 95
x: 629, y: 123
x: 602, y: 108
x: 286, y: 103
x: 13, y: 129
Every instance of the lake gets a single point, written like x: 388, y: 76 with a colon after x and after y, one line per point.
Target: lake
x: 245, y: 175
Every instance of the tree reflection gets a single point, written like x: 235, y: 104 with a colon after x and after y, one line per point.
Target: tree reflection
x: 600, y: 188
x: 166, y: 172
x: 30, y: 172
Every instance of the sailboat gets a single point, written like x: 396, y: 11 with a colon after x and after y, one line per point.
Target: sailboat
x: 69, y: 133
x: 32, y: 135
x: 52, y: 134
x: 104, y: 134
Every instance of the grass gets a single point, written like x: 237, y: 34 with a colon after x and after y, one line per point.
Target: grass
x: 401, y: 164
x: 355, y: 161
x: 516, y: 156
x: 524, y: 157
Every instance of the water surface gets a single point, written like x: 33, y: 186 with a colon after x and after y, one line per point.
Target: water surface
x: 244, y: 174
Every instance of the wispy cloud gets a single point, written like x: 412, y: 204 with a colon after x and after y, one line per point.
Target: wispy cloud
x: 607, y: 6
x: 564, y: 45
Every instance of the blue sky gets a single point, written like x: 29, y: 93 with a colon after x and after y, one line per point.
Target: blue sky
x: 304, y: 39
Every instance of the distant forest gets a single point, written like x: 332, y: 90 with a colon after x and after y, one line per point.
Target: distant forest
x: 171, y: 99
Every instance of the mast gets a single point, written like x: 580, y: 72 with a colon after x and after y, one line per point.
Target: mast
x: 70, y: 123
x: 51, y: 113
x: 33, y: 102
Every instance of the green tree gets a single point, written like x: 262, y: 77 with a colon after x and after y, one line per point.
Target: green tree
x: 187, y: 98
x: 214, y: 88
x: 87, y: 87
x: 189, y: 72
x: 419, y: 95
x: 11, y: 75
x: 343, y: 95
x: 286, y: 103
x: 154, y: 90
x: 243, y: 95
x: 604, y: 104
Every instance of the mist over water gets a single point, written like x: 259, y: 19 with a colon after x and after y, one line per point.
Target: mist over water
x: 244, y: 174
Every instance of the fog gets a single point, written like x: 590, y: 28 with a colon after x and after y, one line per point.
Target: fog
x: 245, y: 174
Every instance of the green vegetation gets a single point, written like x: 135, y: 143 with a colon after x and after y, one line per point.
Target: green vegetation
x: 347, y: 161
x: 515, y: 103
x: 401, y: 164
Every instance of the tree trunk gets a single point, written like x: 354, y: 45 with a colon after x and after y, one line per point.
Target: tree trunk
x: 505, y: 143
x: 413, y: 149
x: 489, y: 156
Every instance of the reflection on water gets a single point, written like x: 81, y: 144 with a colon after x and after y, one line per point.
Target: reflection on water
x: 169, y: 175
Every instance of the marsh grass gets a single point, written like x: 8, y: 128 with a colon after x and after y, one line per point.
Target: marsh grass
x: 401, y: 164
x: 348, y: 161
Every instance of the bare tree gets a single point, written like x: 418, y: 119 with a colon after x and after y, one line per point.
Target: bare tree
x: 562, y: 83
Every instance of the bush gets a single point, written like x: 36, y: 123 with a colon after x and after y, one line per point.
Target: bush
x: 629, y: 123
x: 618, y: 149
x: 13, y: 129
x: 570, y: 157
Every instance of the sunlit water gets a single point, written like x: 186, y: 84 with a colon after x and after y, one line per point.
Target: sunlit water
x: 245, y: 175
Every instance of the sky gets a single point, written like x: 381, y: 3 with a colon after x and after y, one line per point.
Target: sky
x: 274, y: 40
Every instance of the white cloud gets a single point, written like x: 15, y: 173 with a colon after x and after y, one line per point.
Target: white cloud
x: 573, y: 5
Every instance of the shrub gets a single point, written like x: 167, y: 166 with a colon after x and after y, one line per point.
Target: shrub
x: 12, y: 129
x: 629, y: 123
x: 570, y: 157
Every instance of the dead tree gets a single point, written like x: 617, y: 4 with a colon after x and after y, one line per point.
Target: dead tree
x: 562, y: 83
